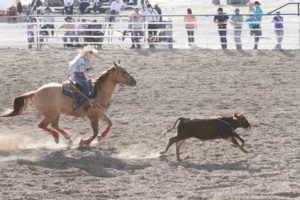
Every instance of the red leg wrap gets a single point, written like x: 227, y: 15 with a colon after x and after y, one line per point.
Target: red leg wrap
x: 55, y: 135
x: 105, y: 132
x: 66, y: 135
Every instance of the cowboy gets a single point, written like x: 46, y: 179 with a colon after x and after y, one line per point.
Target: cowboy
x: 77, y: 71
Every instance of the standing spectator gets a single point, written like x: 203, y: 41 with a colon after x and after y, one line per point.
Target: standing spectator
x: 237, y: 22
x: 82, y: 29
x: 252, y: 22
x: 48, y: 21
x: 151, y: 16
x: 115, y: 8
x: 70, y: 32
x: 190, y: 24
x: 278, y: 22
x: 31, y: 32
x: 221, y: 19
x: 257, y: 11
x: 158, y: 10
x: 19, y: 7
x: 69, y: 6
x: 136, y: 25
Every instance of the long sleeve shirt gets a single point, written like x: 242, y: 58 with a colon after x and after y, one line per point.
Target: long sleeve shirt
x: 151, y: 15
x: 258, y: 13
x: 79, y: 64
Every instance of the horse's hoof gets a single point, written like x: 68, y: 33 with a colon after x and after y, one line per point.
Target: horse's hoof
x: 56, y: 140
x: 84, y: 142
x: 100, y: 138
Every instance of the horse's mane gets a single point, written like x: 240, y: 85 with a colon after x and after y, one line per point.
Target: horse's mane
x: 102, y: 77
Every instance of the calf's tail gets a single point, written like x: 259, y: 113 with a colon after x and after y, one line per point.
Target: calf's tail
x: 20, y: 105
x: 166, y: 131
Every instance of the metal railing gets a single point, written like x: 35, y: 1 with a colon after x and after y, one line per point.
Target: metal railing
x: 170, y: 33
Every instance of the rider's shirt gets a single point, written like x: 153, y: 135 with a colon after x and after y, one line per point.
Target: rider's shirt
x: 79, y: 64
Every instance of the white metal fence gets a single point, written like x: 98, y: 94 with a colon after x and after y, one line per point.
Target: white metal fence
x: 171, y: 34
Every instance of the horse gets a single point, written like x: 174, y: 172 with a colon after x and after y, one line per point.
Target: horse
x: 50, y: 102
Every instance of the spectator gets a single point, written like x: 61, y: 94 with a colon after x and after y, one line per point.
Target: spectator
x: 257, y: 11
x: 35, y: 4
x: 158, y: 10
x: 252, y: 22
x: 151, y: 16
x: 115, y: 8
x: 143, y: 3
x: 190, y: 24
x: 237, y: 22
x: 97, y: 5
x: 221, y: 19
x: 31, y: 32
x: 136, y: 25
x: 82, y: 29
x: 278, y: 22
x: 70, y: 32
x: 84, y: 7
x: 69, y: 6
x: 48, y: 21
x: 19, y: 7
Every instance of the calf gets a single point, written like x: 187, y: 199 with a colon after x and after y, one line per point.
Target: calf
x: 208, y: 129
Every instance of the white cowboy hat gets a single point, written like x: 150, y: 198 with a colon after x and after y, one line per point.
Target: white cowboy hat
x: 88, y: 48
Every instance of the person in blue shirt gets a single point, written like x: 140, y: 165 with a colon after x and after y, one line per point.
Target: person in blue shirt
x: 257, y: 11
x: 278, y: 23
x: 77, y: 71
x: 252, y: 23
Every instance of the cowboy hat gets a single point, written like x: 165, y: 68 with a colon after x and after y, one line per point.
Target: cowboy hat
x: 88, y: 48
x: 68, y: 18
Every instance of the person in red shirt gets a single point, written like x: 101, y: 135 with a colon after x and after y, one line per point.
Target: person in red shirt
x: 190, y: 24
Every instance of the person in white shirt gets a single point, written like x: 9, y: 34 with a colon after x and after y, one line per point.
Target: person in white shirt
x: 69, y: 6
x: 136, y: 25
x: 115, y: 8
x: 152, y: 17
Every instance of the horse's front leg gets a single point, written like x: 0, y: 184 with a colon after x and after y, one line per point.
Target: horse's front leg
x: 94, y: 125
x: 239, y: 138
x: 106, y: 130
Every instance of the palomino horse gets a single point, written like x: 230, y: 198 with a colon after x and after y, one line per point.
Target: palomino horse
x: 50, y: 102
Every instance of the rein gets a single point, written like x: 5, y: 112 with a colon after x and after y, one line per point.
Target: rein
x: 94, y: 103
x: 225, y: 122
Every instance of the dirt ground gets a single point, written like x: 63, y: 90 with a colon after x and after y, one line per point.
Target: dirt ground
x: 170, y: 84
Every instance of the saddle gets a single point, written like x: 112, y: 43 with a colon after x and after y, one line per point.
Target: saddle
x: 71, y: 89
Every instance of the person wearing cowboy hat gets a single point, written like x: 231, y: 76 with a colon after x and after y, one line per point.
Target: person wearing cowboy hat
x: 48, y: 20
x: 77, y: 71
x: 70, y: 33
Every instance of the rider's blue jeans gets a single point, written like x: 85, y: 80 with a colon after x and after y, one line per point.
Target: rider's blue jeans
x: 85, y: 88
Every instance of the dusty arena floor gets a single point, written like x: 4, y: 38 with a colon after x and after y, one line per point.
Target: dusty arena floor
x: 170, y: 84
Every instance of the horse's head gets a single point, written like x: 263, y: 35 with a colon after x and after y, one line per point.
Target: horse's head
x: 121, y: 76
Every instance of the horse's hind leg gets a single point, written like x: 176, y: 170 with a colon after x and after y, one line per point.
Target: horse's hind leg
x: 55, y: 125
x: 172, y: 140
x: 178, y: 145
x: 44, y: 125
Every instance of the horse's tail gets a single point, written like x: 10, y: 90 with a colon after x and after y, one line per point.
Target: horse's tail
x: 20, y: 105
x: 166, y: 131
